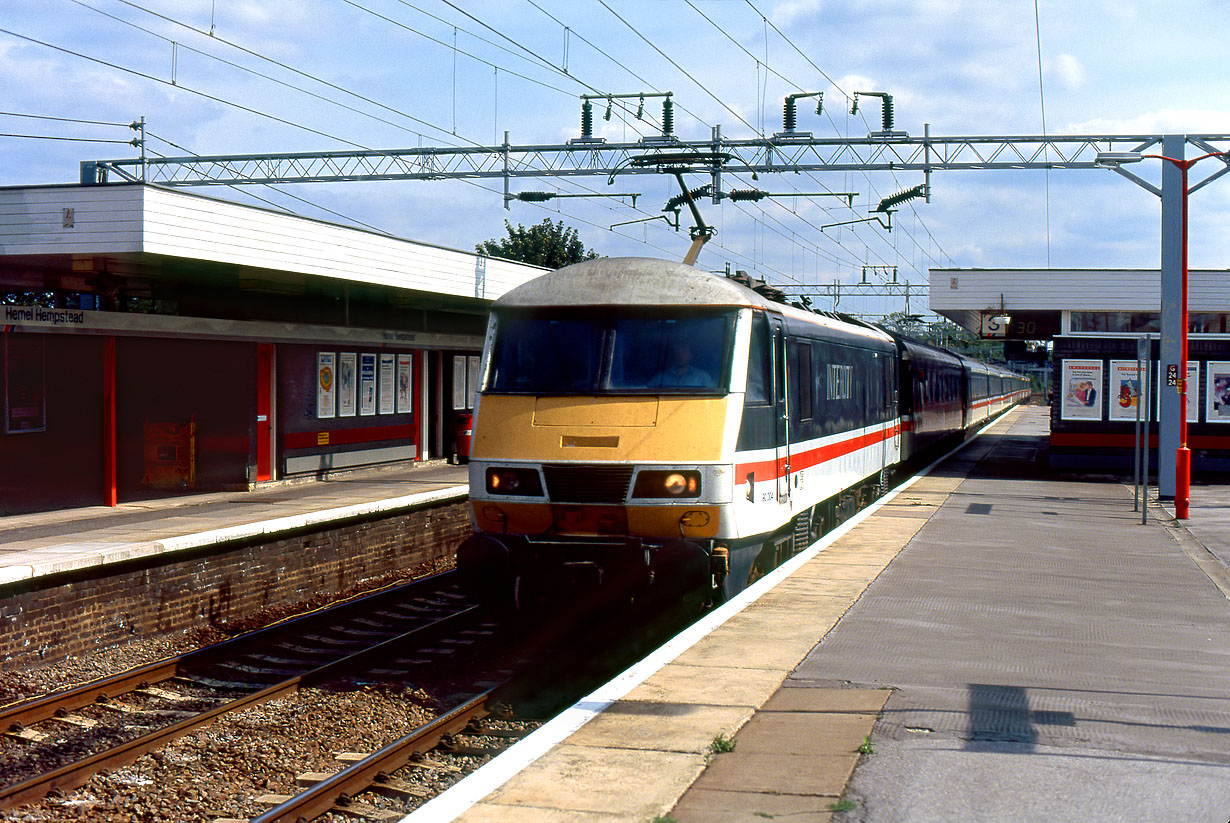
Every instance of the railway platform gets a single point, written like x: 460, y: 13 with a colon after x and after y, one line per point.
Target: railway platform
x: 46, y: 543
x: 988, y: 643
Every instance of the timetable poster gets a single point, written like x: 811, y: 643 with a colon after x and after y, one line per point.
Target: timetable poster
x: 367, y: 384
x: 1126, y: 378
x: 388, y: 364
x: 1217, y: 410
x: 346, y: 384
x: 1193, y: 391
x: 405, y: 383
x: 1082, y: 383
x: 326, y: 389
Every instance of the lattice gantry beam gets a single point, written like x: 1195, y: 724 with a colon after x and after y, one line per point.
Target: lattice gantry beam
x: 596, y: 157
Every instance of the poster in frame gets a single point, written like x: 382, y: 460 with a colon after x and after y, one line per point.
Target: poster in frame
x: 1217, y: 405
x: 1082, y: 390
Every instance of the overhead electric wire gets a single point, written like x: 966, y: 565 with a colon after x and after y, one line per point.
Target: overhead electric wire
x: 67, y: 119
x: 278, y: 190
x: 682, y: 70
x: 193, y: 91
x: 449, y: 46
x: 69, y: 139
x: 1042, y: 103
x: 823, y: 74
x: 260, y: 56
x: 188, y: 89
x: 209, y: 96
x: 288, y: 68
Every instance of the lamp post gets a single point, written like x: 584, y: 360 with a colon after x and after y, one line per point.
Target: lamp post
x: 1183, y: 455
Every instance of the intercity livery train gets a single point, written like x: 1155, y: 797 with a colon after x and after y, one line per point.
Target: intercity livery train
x: 644, y: 425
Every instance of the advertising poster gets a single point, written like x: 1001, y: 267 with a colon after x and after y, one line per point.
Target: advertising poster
x: 1126, y: 378
x: 326, y: 388
x: 367, y: 384
x: 459, y: 383
x: 472, y: 379
x: 405, y: 383
x: 388, y: 364
x: 346, y: 384
x: 1217, y: 410
x: 1082, y: 387
x: 25, y: 386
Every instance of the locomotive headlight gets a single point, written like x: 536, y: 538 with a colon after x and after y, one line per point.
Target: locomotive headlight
x: 675, y: 484
x: 683, y: 484
x: 523, y: 482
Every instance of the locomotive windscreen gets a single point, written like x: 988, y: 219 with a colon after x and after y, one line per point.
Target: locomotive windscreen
x: 611, y: 352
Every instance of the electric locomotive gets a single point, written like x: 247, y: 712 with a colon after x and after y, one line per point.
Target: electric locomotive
x: 645, y: 422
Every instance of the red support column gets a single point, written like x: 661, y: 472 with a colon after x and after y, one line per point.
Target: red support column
x: 109, y: 487
x: 264, y: 411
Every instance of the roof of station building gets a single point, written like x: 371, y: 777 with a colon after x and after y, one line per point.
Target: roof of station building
x: 132, y: 229
x: 967, y: 295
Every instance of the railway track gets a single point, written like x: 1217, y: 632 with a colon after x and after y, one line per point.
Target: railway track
x: 71, y: 735
x: 376, y: 773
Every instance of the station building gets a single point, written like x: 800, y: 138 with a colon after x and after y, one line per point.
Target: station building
x: 1092, y: 320
x: 157, y: 342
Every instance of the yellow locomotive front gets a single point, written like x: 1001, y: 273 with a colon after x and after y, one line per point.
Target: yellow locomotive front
x: 604, y: 429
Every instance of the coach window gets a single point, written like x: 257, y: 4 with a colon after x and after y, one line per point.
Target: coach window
x: 802, y: 381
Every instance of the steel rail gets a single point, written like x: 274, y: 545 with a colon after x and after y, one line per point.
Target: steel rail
x: 28, y: 712
x: 334, y: 792
x: 73, y: 775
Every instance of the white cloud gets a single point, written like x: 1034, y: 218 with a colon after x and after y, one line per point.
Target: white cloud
x: 1162, y: 121
x: 1070, y: 71
x: 794, y: 11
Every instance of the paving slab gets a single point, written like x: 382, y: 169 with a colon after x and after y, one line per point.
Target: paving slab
x: 617, y: 782
x: 661, y: 726
x: 718, y: 806
x: 711, y: 685
x: 800, y: 774
x: 772, y: 732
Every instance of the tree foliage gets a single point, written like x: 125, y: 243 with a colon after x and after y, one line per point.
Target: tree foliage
x: 546, y: 244
x: 945, y: 334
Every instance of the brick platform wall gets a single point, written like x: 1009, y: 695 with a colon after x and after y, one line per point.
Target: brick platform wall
x: 52, y: 618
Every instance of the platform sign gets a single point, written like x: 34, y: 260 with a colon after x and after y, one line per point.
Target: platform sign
x: 1082, y: 390
x: 1193, y: 390
x: 326, y: 384
x: 1217, y: 408
x: 1125, y: 382
x: 994, y: 326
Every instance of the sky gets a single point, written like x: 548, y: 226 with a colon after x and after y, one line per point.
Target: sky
x: 252, y: 76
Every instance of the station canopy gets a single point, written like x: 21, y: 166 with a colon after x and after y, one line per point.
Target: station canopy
x: 1038, y: 304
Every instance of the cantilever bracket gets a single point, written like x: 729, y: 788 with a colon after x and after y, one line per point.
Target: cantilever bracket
x: 885, y: 224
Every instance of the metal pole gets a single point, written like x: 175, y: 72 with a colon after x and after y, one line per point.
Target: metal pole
x: 1183, y: 456
x: 1173, y: 146
x: 1147, y: 390
x: 1140, y: 376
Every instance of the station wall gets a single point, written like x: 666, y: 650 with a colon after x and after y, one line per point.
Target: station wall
x: 225, y: 587
x: 51, y: 438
